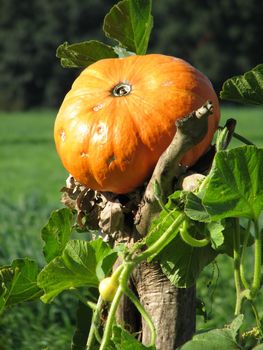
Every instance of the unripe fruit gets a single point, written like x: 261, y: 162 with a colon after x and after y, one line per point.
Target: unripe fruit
x: 107, y: 288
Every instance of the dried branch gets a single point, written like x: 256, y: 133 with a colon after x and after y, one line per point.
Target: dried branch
x: 190, y: 131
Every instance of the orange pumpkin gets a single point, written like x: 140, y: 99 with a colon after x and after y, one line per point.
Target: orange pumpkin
x: 120, y: 115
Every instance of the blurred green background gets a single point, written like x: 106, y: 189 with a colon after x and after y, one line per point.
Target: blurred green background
x: 222, y: 38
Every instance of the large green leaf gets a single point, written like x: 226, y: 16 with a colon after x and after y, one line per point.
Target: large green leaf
x: 81, y: 264
x: 182, y: 263
x: 105, y: 257
x: 124, y: 340
x: 228, y: 245
x: 247, y: 88
x: 223, y: 339
x: 221, y: 232
x: 56, y: 233
x: 6, y: 276
x: 165, y: 219
x: 160, y: 225
x: 235, y: 187
x: 195, y: 209
x: 130, y: 23
x: 216, y: 229
x: 18, y: 282
x: 83, y: 54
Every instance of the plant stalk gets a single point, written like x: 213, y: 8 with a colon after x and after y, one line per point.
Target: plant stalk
x: 110, y: 319
x: 188, y: 239
x: 240, y: 138
x: 236, y: 254
x: 242, y: 258
x: 165, y: 238
x: 257, y: 263
x: 88, y: 303
x: 93, y: 327
x: 257, y: 318
x: 124, y: 278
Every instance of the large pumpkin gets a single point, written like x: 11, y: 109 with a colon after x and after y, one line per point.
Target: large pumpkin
x: 120, y: 115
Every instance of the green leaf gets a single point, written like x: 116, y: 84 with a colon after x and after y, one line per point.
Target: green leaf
x: 216, y: 233
x: 76, y: 267
x: 83, y: 54
x: 18, y: 282
x: 235, y: 187
x: 227, y: 247
x: 194, y: 208
x: 57, y: 233
x: 165, y: 219
x: 247, y: 88
x: 160, y: 225
x: 222, y: 139
x: 109, y: 257
x: 122, y: 52
x: 182, y: 263
x: 236, y: 324
x: 130, y: 23
x: 124, y: 340
x: 223, y: 339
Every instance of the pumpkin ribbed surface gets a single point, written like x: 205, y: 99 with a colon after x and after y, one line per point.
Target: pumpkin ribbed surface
x: 119, y: 117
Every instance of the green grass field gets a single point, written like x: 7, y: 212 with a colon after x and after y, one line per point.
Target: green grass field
x: 29, y: 163
x: 31, y: 176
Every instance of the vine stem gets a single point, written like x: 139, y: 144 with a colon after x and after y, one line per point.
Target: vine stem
x: 188, y: 239
x: 90, y: 304
x: 253, y: 306
x: 125, y: 272
x: 240, y: 138
x: 257, y: 263
x: 242, y: 258
x: 116, y: 274
x: 124, y: 277
x: 110, y: 319
x: 158, y: 195
x: 236, y: 255
x: 165, y: 238
x: 93, y: 327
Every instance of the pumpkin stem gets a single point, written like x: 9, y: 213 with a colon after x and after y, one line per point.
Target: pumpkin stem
x: 121, y: 89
